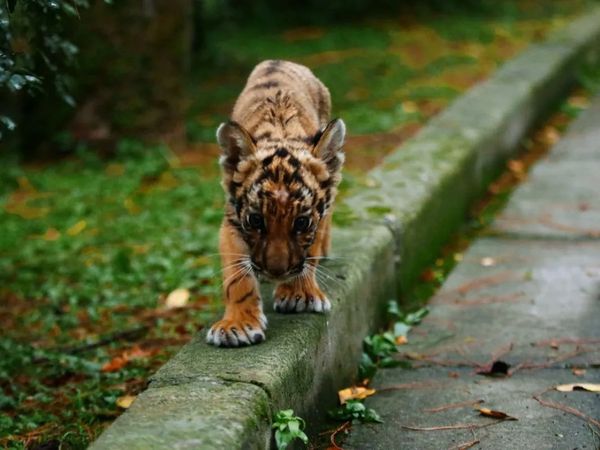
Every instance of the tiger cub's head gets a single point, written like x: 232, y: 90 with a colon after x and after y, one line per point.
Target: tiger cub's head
x: 280, y: 192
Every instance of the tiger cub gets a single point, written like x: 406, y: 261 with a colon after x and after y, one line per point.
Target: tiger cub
x: 281, y: 163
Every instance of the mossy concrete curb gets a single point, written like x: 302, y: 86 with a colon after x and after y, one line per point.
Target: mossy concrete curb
x: 213, y: 398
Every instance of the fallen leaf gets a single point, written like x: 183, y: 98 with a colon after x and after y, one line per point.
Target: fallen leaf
x: 428, y: 275
x: 401, y: 340
x: 495, y: 414
x: 467, y: 445
x: 409, y: 107
x: 487, y: 261
x: 51, y: 234
x: 77, y: 228
x: 578, y: 101
x: 578, y: 372
x: 137, y: 352
x: 550, y: 135
x: 354, y: 393
x: 125, y: 401
x: 588, y: 387
x: 516, y: 167
x: 120, y: 361
x: 177, y: 298
x: 115, y: 364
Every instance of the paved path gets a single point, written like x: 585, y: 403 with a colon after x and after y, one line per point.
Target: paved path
x: 534, y: 304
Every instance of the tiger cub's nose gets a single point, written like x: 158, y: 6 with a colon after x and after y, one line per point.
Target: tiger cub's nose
x: 277, y: 271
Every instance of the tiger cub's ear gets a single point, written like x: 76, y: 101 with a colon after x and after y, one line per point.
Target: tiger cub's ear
x: 329, y: 147
x: 236, y: 144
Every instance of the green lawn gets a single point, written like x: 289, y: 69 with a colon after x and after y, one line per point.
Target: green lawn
x: 90, y: 248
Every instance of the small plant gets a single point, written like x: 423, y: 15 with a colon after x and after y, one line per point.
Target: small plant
x: 355, y: 410
x: 287, y: 428
x: 413, y: 318
x: 379, y: 348
x: 402, y: 323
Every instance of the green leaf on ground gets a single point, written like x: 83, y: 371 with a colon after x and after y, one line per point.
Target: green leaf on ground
x: 355, y: 410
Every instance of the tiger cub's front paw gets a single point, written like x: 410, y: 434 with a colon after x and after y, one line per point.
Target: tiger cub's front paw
x: 238, y: 332
x: 292, y: 298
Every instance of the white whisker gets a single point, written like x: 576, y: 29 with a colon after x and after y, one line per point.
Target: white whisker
x: 330, y: 276
x: 236, y: 273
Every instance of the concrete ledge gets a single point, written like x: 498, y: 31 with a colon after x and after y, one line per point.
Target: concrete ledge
x: 182, y: 416
x: 224, y: 398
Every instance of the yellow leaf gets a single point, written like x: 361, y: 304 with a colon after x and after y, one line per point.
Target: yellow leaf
x: 589, y: 387
x: 77, y: 228
x: 125, y: 401
x: 354, y: 393
x: 177, y: 298
x: 131, y: 207
x: 409, y: 107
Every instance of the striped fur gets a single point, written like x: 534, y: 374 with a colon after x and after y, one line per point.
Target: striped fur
x: 281, y: 162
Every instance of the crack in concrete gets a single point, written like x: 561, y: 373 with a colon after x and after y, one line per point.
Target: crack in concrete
x: 521, y: 236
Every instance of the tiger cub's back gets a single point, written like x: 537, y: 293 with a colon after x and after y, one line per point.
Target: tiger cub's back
x: 282, y: 100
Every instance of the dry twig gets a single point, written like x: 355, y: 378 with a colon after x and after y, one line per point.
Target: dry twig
x: 343, y: 426
x: 458, y: 426
x: 414, y: 385
x: 567, y: 409
x: 453, y: 406
x: 553, y: 361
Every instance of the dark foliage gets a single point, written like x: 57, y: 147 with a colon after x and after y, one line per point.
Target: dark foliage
x: 35, y: 53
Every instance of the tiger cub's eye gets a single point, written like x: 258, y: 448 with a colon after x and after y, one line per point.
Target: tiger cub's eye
x: 255, y: 221
x: 301, y: 224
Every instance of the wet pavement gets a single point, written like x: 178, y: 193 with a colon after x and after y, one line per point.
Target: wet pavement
x: 519, y: 315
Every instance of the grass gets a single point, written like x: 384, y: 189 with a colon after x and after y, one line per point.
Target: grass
x: 89, y: 248
x: 384, y: 74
